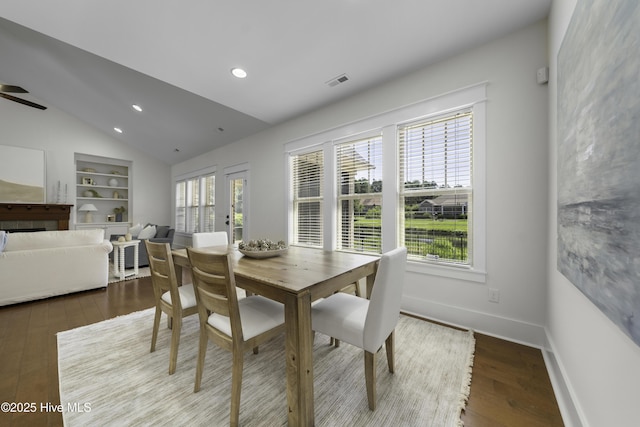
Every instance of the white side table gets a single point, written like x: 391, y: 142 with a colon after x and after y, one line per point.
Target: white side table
x: 118, y: 258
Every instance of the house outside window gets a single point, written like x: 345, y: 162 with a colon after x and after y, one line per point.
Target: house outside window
x: 195, y: 204
x: 436, y: 187
x: 429, y: 155
x: 359, y: 204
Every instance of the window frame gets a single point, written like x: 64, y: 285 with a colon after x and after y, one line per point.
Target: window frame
x: 295, y: 200
x: 472, y: 97
x: 200, y: 178
x: 368, y: 138
x: 448, y: 149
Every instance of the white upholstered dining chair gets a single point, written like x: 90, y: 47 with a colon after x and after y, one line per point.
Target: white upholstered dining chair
x: 367, y: 324
x: 175, y: 301
x: 215, y: 238
x: 233, y: 324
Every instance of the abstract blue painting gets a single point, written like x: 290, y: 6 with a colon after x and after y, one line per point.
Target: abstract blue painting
x: 599, y: 158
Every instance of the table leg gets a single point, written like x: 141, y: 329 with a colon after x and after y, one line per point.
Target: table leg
x: 136, y: 255
x: 121, y: 263
x: 116, y: 258
x: 299, y: 349
x: 370, y: 280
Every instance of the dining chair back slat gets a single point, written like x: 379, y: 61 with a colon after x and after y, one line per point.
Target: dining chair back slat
x: 215, y: 288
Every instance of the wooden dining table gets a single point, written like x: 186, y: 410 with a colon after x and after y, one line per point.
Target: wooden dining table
x: 296, y: 279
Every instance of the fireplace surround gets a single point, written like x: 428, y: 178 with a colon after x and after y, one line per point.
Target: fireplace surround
x: 24, y: 216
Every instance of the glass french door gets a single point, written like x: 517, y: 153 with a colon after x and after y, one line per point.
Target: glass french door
x: 237, y: 219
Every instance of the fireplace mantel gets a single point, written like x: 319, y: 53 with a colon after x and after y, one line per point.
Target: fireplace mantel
x: 36, y: 212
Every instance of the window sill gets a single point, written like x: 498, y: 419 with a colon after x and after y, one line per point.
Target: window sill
x: 451, y: 272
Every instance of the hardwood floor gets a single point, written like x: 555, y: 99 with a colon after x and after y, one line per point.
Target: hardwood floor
x: 509, y: 387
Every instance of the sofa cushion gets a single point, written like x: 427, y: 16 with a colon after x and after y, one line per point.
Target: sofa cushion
x: 162, y: 231
x: 135, y: 230
x: 148, y: 232
x: 53, y: 239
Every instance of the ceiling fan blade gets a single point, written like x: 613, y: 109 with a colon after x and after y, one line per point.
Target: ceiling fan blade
x: 23, y: 101
x: 13, y: 89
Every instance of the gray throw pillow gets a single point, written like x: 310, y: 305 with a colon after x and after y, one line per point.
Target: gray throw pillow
x: 162, y: 231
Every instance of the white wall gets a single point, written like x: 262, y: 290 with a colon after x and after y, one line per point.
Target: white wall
x: 516, y: 181
x: 61, y: 135
x: 599, y: 363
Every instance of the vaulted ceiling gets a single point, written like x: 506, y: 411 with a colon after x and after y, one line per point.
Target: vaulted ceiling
x: 94, y: 60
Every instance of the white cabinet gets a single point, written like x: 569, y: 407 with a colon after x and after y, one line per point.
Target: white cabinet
x: 104, y: 184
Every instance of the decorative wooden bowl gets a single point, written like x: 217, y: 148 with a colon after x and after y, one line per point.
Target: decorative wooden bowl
x: 263, y: 254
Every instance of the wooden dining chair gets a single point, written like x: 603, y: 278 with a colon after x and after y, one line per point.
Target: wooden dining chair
x: 237, y: 325
x: 175, y: 301
x: 215, y: 238
x: 367, y: 323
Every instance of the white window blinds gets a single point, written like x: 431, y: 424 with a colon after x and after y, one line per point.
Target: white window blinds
x: 181, y: 204
x: 195, y: 204
x: 436, y: 187
x: 209, y: 214
x: 359, y: 180
x: 307, y: 171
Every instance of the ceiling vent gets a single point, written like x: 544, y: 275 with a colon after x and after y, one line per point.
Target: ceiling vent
x: 337, y: 80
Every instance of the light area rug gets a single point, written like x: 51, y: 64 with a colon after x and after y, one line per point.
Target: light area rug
x: 107, y: 367
x: 142, y: 272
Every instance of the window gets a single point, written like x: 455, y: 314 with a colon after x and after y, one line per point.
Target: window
x: 307, y: 180
x: 209, y: 205
x: 195, y: 204
x: 430, y: 155
x: 181, y: 204
x: 359, y: 207
x: 436, y: 187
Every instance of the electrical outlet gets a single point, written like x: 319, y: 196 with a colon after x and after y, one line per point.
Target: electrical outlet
x: 494, y: 295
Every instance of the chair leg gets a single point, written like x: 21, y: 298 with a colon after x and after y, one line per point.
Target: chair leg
x: 389, y: 345
x: 156, y: 326
x: 256, y: 349
x: 202, y: 351
x: 370, y: 378
x: 175, y: 343
x: 236, y: 386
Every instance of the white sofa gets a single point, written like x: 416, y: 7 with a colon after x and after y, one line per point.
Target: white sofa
x: 49, y: 263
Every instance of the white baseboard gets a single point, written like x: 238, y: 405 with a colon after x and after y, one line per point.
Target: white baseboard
x: 484, y: 323
x: 571, y: 414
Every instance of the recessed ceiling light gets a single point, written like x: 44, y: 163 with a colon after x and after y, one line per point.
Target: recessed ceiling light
x: 118, y: 130
x: 239, y: 73
x: 137, y: 108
